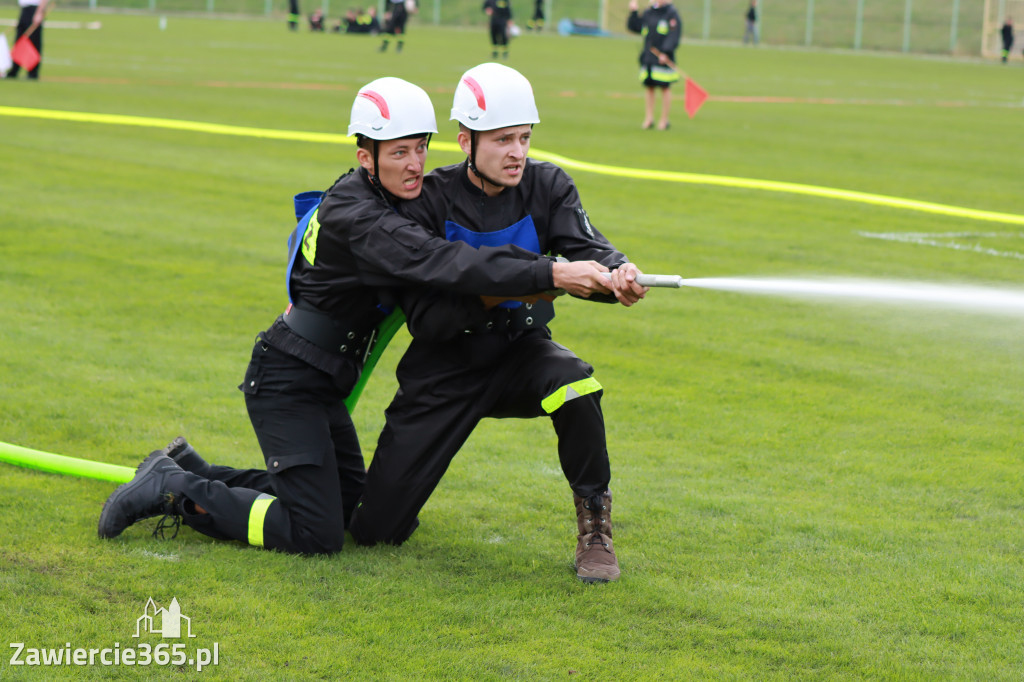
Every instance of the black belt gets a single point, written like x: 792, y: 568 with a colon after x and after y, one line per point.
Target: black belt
x: 325, y: 332
x: 527, y: 316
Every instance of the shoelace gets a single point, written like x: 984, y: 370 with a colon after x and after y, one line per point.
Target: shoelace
x: 169, y: 520
x: 590, y: 504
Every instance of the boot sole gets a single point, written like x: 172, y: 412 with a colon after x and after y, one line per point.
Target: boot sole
x: 595, y: 579
x: 591, y: 581
x: 147, y: 465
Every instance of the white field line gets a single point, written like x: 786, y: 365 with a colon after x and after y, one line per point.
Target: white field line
x: 91, y: 25
x: 934, y: 239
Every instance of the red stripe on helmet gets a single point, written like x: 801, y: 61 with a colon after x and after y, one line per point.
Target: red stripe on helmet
x: 477, y: 91
x: 377, y: 99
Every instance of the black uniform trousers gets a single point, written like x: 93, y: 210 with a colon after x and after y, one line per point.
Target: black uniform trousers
x: 499, y: 33
x: 24, y: 24
x: 399, y: 16
x: 443, y: 395
x: 315, y: 469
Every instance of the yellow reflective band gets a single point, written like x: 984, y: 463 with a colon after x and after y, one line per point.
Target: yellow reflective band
x: 566, y: 393
x: 309, y: 238
x: 662, y: 74
x: 257, y: 514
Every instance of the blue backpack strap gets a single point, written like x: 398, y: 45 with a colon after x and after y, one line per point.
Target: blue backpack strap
x: 303, y: 200
x: 306, y: 206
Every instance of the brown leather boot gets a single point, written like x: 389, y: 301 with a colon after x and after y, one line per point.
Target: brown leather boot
x: 595, y: 556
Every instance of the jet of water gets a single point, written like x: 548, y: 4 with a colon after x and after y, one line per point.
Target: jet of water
x: 969, y: 298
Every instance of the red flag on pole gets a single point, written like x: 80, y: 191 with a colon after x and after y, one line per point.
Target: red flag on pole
x: 25, y: 54
x: 695, y: 96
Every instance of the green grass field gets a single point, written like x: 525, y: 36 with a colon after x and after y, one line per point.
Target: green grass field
x: 804, y: 490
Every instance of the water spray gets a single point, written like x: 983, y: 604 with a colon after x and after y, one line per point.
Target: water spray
x: 969, y: 298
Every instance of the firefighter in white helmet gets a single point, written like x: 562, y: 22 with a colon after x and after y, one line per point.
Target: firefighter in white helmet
x: 471, y: 357
x: 349, y: 251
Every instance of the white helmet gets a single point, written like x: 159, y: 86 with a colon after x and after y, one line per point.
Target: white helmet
x: 492, y: 96
x: 390, y: 108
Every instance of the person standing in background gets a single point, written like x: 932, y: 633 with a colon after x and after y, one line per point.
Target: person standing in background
x: 293, y: 15
x: 500, y: 12
x: 30, y: 22
x: 537, y: 21
x: 1007, y: 34
x: 751, y: 33
x: 661, y: 28
x: 394, y: 23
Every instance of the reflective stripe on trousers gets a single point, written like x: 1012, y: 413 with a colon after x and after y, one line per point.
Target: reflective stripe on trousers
x: 566, y: 393
x: 257, y: 515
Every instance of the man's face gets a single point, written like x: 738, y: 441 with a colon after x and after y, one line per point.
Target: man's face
x: 500, y: 155
x: 399, y: 165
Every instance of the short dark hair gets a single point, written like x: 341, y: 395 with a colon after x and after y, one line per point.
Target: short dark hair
x: 364, y: 142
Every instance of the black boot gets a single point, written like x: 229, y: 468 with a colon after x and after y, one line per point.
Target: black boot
x: 185, y: 456
x: 155, y: 490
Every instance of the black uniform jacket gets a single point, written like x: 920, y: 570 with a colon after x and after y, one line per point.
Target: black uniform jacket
x: 546, y: 194
x: 501, y: 11
x: 661, y: 28
x: 363, y: 247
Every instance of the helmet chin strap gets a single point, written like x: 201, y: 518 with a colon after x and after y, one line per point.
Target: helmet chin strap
x: 374, y: 180
x: 472, y: 163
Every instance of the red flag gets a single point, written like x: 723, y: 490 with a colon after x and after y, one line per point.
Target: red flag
x: 695, y: 96
x: 25, y: 54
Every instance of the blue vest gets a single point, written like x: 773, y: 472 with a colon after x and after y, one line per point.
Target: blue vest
x: 522, y: 234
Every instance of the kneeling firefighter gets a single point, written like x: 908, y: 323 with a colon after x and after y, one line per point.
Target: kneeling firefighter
x: 348, y: 252
x: 472, y: 359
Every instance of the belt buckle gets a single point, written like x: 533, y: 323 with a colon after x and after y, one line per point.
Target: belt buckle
x: 369, y: 345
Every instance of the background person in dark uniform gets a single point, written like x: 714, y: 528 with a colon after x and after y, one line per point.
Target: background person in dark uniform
x: 661, y: 28
x: 472, y: 358
x: 750, y: 34
x: 537, y: 20
x: 316, y: 20
x: 1006, y: 32
x: 500, y: 12
x: 354, y: 246
x: 30, y: 20
x: 293, y: 15
x: 394, y: 25
x: 366, y: 21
